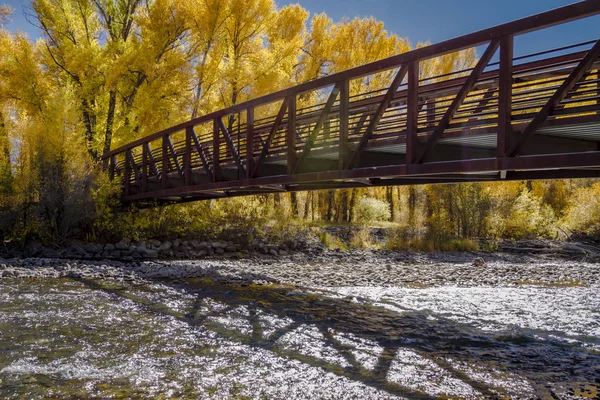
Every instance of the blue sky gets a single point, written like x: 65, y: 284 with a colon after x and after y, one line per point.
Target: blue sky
x: 429, y: 20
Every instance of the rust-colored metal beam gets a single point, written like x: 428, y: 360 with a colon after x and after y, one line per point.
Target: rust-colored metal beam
x: 412, y: 112
x: 505, y: 87
x: 343, y: 149
x: 290, y: 136
x: 249, y: 142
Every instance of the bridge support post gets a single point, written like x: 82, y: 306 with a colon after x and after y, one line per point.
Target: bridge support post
x: 412, y: 111
x: 164, y: 173
x: 216, y: 151
x: 249, y: 142
x: 112, y: 167
x: 144, y: 169
x: 127, y: 172
x: 187, y: 157
x: 505, y: 96
x: 290, y: 137
x: 344, y: 122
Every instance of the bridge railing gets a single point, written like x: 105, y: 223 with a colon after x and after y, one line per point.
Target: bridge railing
x: 332, y: 121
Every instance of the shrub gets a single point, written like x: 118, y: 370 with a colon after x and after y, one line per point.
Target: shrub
x: 583, y: 212
x: 369, y: 209
x: 332, y: 241
x: 529, y: 218
x: 361, y: 239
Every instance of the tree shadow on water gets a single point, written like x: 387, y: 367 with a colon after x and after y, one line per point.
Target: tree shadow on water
x: 400, y: 344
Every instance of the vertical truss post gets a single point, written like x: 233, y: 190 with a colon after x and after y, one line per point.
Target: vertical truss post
x: 344, y: 122
x: 291, y: 135
x: 127, y: 175
x: 216, y: 151
x: 113, y: 166
x: 505, y: 96
x: 187, y: 156
x: 249, y: 142
x: 144, y: 168
x: 164, y: 178
x: 412, y: 111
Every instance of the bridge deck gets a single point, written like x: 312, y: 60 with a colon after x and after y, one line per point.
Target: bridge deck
x: 530, y: 117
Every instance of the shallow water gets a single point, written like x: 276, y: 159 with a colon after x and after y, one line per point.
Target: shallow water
x: 197, y: 339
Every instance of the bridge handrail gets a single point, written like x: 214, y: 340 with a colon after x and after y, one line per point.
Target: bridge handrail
x: 521, y: 26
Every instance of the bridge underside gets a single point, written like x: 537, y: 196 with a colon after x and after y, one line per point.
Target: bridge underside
x: 521, y: 118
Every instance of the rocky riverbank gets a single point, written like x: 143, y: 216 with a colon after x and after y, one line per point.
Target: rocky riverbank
x: 329, y: 268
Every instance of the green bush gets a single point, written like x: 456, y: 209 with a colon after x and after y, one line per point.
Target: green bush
x: 583, y: 212
x: 369, y: 209
x: 529, y: 218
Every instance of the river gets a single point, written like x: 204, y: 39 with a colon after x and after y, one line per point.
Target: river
x: 196, y: 338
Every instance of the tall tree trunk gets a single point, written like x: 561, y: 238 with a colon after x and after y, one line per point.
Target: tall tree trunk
x: 345, y: 201
x: 110, y: 118
x: 89, y: 120
x: 330, y: 203
x: 307, y: 204
x: 351, y: 205
x: 390, y: 199
x: 294, y: 204
x: 412, y: 205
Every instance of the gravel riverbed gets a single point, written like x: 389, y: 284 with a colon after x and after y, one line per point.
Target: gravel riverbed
x: 330, y: 268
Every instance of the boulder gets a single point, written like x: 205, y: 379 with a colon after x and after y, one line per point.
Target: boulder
x: 155, y: 243
x: 121, y: 245
x: 109, y: 247
x: 165, y: 246
x: 93, y: 248
x: 33, y: 250
x: 150, y: 254
x: 478, y: 262
x: 219, y: 250
x: 50, y: 253
x: 231, y: 248
x: 115, y: 254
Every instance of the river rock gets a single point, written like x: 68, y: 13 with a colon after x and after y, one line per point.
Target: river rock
x: 93, y: 248
x: 155, y: 243
x: 121, y: 245
x: 109, y: 247
x: 478, y: 262
x: 150, y: 254
x: 165, y: 246
x: 116, y: 254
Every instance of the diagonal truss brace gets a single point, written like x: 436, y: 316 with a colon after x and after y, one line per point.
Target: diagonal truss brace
x: 202, y: 155
x: 267, y: 144
x: 136, y: 171
x: 231, y: 145
x: 310, y: 141
x: 458, y: 100
x: 575, y: 76
x: 377, y: 117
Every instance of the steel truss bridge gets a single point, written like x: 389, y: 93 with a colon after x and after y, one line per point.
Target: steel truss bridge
x: 535, y: 116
